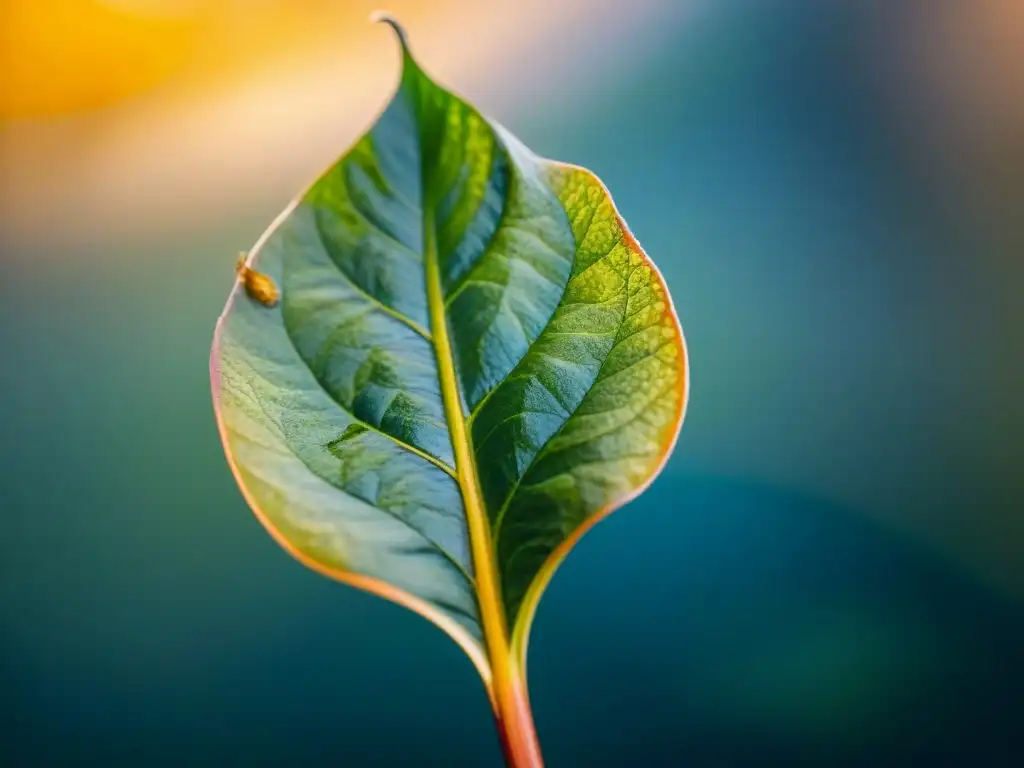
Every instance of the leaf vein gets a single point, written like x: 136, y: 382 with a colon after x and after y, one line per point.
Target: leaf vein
x: 363, y: 292
x: 440, y: 549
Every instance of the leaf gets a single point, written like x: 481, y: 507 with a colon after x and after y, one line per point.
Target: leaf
x: 471, y: 363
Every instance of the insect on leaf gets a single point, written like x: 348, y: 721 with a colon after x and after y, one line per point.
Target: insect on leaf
x: 470, y: 363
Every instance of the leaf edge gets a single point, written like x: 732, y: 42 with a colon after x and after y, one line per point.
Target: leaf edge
x: 520, y: 631
x: 377, y: 587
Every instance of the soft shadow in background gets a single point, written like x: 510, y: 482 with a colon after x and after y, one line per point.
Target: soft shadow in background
x: 828, y: 572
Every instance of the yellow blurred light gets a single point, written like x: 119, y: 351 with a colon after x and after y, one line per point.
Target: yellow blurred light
x: 61, y: 56
x: 67, y: 55
x: 251, y: 99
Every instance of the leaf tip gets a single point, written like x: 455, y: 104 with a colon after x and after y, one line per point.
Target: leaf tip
x: 384, y: 17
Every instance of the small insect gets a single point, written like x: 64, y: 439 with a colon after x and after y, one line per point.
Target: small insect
x: 258, y: 285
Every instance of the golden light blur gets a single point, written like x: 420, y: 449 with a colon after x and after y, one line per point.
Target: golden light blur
x: 129, y: 117
x: 67, y: 55
x: 72, y: 55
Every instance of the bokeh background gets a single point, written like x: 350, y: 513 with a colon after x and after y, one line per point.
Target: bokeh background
x: 829, y: 571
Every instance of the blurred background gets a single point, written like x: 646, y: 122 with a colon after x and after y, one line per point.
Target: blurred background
x: 829, y: 571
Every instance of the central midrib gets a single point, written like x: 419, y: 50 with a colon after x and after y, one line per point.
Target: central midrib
x: 488, y: 583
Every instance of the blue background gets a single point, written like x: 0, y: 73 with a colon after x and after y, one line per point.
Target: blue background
x: 829, y: 571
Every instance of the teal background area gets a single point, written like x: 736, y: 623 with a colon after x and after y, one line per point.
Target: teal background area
x: 830, y: 571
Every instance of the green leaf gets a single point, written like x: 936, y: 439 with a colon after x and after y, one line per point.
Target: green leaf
x: 472, y: 361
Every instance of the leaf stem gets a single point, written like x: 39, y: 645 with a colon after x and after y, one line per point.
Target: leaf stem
x: 511, y: 703
x: 514, y: 719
